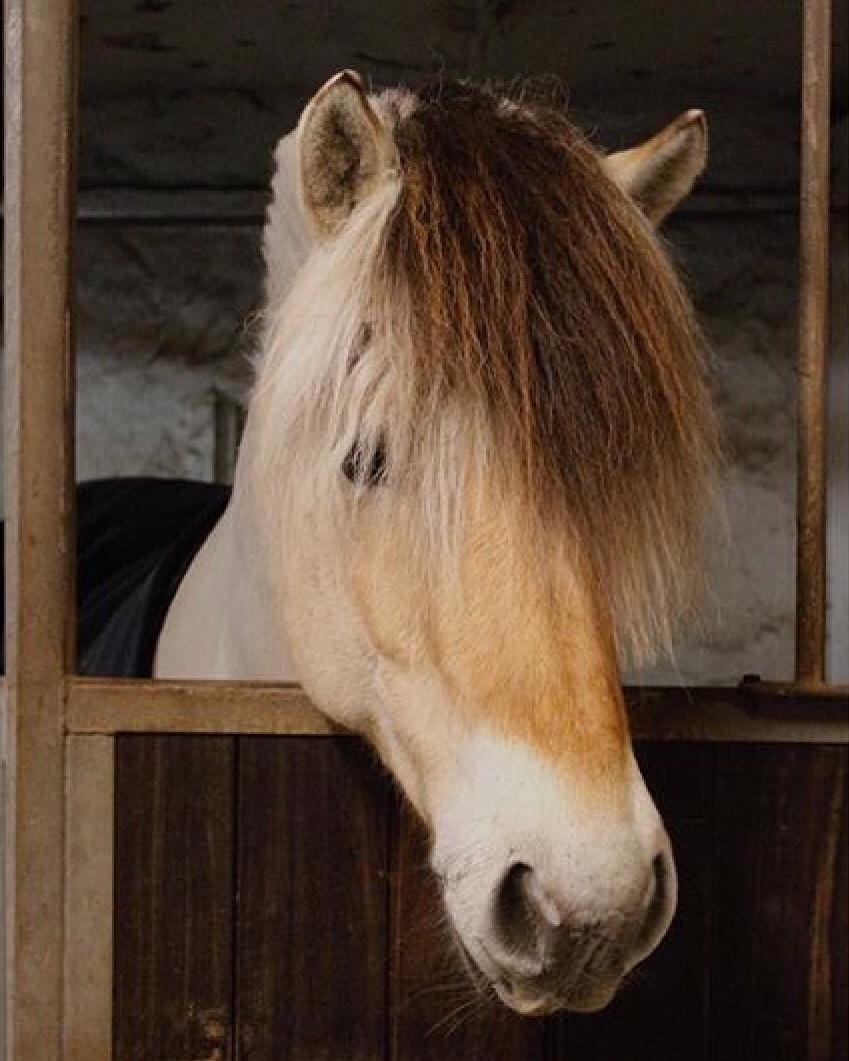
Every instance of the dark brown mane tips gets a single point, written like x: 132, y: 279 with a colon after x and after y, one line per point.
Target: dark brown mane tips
x: 535, y: 287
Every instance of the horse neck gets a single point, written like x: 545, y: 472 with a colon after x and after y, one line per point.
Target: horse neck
x: 223, y: 622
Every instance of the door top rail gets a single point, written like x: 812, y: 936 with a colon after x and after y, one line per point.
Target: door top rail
x: 722, y: 713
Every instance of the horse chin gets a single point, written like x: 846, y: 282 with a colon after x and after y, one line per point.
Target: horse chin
x: 534, y: 1000
x: 539, y: 996
x: 536, y: 1004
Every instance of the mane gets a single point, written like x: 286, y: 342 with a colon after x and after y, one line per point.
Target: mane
x: 504, y: 312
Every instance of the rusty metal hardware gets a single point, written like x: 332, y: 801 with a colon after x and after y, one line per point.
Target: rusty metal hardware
x: 754, y: 685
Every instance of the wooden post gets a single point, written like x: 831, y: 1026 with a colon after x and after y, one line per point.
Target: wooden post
x: 813, y: 346
x: 40, y: 82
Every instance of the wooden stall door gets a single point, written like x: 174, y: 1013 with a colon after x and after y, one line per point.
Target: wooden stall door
x: 251, y: 900
x: 174, y: 889
x: 273, y: 903
x: 312, y: 907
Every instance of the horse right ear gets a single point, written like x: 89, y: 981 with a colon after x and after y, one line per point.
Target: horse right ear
x: 344, y: 151
x: 660, y: 172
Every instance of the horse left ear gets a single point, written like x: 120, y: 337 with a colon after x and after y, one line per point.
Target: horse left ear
x: 658, y: 173
x: 344, y: 150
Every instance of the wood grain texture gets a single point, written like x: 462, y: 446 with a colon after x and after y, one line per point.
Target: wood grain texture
x: 335, y: 959
x: 813, y: 343
x: 710, y: 714
x: 174, y: 889
x: 89, y: 832
x: 312, y: 905
x: 777, y: 988
x: 838, y: 944
x: 436, y: 1012
x: 40, y: 131
x: 661, y: 1013
x: 113, y: 705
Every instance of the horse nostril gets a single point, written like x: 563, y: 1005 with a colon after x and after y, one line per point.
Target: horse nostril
x: 660, y: 880
x: 658, y: 900
x: 525, y: 914
x: 511, y: 911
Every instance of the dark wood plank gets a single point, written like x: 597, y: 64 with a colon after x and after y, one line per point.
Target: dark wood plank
x: 836, y: 1002
x: 313, y: 900
x: 679, y: 776
x: 173, y: 897
x: 437, y: 1014
x: 778, y: 991
x: 660, y: 1013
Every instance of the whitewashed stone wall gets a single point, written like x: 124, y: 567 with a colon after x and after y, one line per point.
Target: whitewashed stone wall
x: 165, y: 317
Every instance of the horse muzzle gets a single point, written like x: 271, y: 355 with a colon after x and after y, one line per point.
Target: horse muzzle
x: 539, y: 954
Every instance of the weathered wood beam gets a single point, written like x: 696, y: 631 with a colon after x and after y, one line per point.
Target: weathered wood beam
x: 813, y: 346
x: 98, y: 705
x: 40, y: 96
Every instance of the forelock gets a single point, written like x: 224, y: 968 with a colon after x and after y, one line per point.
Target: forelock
x: 526, y: 333
x: 538, y: 296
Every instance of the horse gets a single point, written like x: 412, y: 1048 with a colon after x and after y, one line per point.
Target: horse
x: 479, y: 456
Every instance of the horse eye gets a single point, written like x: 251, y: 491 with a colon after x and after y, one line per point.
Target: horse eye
x: 365, y: 470
x: 360, y: 344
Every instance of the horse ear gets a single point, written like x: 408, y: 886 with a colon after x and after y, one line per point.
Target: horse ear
x: 344, y: 151
x: 658, y: 174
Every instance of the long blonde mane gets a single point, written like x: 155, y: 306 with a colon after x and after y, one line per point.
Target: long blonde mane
x: 498, y: 313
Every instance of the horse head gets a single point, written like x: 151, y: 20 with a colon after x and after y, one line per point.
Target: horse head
x: 482, y: 445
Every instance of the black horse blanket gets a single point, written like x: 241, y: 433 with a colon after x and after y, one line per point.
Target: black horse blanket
x: 135, y: 540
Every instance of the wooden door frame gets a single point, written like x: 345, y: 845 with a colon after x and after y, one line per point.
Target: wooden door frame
x: 60, y: 728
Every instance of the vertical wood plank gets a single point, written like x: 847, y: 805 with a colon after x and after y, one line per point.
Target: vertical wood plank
x: 837, y: 1004
x: 436, y: 1011
x: 813, y: 343
x: 661, y: 1013
x: 89, y: 833
x: 777, y: 989
x: 313, y: 896
x: 39, y: 100
x: 174, y: 888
